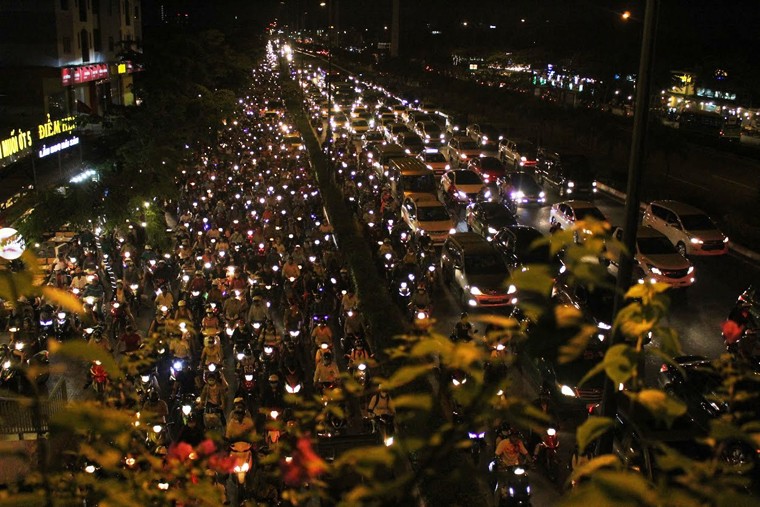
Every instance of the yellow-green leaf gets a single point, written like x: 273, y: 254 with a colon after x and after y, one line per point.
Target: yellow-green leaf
x: 591, y: 429
x: 62, y: 298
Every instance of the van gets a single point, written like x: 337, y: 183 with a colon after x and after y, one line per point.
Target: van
x: 475, y: 271
x: 408, y: 174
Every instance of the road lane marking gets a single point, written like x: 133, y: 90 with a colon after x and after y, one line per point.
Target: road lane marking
x: 729, y: 180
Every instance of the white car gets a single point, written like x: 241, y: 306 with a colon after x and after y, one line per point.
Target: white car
x: 566, y: 214
x: 435, y: 161
x: 425, y: 215
x: 461, y: 185
x: 656, y: 259
x: 689, y: 229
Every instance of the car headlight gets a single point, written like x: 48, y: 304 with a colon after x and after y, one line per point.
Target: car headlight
x: 691, y: 270
x: 725, y: 240
x: 461, y: 194
x: 462, y: 156
x: 570, y: 184
x: 452, y: 231
x: 593, y: 183
x: 512, y: 289
x: 655, y: 270
x: 491, y: 230
x: 523, y: 159
x: 475, y: 291
x: 568, y: 391
x: 447, y: 167
x: 517, y: 195
x: 696, y: 241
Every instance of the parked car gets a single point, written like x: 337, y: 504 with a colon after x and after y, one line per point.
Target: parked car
x: 460, y: 186
x: 655, y: 257
x: 517, y: 152
x: 486, y: 218
x: 565, y: 215
x: 569, y: 173
x: 690, y: 230
x: 473, y: 268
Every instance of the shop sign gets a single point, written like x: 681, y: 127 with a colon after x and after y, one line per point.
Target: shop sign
x: 18, y: 144
x: 55, y: 127
x: 83, y: 73
x: 49, y: 150
x: 715, y: 94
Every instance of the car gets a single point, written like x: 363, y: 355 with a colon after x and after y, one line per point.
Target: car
x: 399, y: 110
x: 486, y: 218
x: 359, y: 125
x: 393, y: 130
x: 358, y: 111
x: 434, y: 160
x: 521, y: 245
x: 522, y: 189
x: 387, y: 118
x: 455, y: 124
x: 339, y: 121
x: 595, y: 302
x: 461, y: 149
x: 570, y: 173
x: 565, y: 215
x: 428, y: 107
x: 473, y: 269
x: 293, y: 141
x: 656, y: 258
x: 460, y: 185
x: 490, y: 168
x: 372, y: 137
x: 411, y: 142
x: 425, y: 215
x: 690, y: 230
x: 430, y: 132
x: 483, y: 133
x: 517, y: 152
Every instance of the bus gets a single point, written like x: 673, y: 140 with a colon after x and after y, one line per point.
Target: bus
x: 712, y: 125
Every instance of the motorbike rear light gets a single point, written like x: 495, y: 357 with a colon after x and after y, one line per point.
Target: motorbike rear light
x: 664, y: 368
x: 551, y: 432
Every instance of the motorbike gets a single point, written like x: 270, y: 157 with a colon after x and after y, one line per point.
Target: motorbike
x: 242, y: 456
x: 119, y: 319
x: 548, y: 449
x: 385, y: 425
x: 477, y: 444
x: 62, y: 326
x: 510, y: 484
x: 99, y: 378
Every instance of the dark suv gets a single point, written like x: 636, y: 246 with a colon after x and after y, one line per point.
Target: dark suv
x: 476, y: 272
x: 569, y: 172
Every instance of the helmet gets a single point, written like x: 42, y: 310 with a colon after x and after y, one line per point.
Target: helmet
x: 181, y: 302
x: 274, y: 378
x: 463, y: 315
x: 257, y: 299
x: 421, y: 288
x: 148, y: 247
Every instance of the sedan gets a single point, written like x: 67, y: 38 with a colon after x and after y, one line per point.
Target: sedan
x: 522, y: 188
x: 461, y: 185
x: 435, y: 161
x: 656, y: 258
x: 490, y: 168
x: 486, y: 218
x: 411, y: 142
x: 564, y: 215
x: 430, y: 132
x: 425, y: 215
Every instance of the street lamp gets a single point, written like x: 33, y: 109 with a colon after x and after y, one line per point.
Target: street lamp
x: 626, y: 15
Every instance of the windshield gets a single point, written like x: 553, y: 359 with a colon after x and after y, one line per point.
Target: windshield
x: 493, y: 210
x: 434, y: 157
x: 525, y: 239
x: 483, y: 265
x: 655, y: 246
x: 586, y: 213
x: 419, y: 183
x: 373, y: 136
x: 432, y: 128
x: 525, y: 183
x: 468, y: 145
x: 360, y: 123
x: 697, y: 223
x: 432, y: 214
x: 467, y: 178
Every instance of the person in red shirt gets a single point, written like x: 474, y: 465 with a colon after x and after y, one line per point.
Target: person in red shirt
x: 130, y: 341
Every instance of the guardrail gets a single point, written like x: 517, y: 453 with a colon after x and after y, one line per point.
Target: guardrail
x: 17, y: 415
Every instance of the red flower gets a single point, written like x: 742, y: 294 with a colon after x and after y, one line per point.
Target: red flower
x: 304, y: 465
x: 180, y: 451
x: 731, y: 331
x: 206, y: 448
x: 221, y: 463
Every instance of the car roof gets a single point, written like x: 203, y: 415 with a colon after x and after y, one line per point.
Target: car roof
x: 424, y: 199
x: 472, y: 242
x: 679, y: 208
x: 644, y: 231
x: 577, y: 204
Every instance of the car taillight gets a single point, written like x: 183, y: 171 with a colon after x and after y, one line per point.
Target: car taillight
x: 663, y: 368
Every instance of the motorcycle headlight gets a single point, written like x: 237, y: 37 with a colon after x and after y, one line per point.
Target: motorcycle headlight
x: 157, y: 428
x: 431, y: 269
x: 268, y: 350
x: 240, y: 356
x: 570, y: 184
x: 186, y: 409
x: 6, y: 365
x: 248, y: 377
x: 472, y: 435
x: 61, y: 315
x: 19, y: 345
x: 491, y: 230
x: 177, y: 365
x: 519, y: 471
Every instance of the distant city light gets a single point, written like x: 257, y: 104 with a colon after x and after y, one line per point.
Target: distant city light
x: 626, y: 15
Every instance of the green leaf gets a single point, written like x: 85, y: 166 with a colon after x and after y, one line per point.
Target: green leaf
x: 536, y: 278
x: 62, y: 298
x: 576, y: 345
x: 81, y: 350
x: 407, y: 374
x: 422, y: 402
x: 620, y: 363
x: 591, y: 466
x: 669, y: 340
x: 663, y: 407
x: 627, y: 485
x: 591, y: 429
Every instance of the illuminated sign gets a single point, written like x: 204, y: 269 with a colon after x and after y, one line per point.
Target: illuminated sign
x: 16, y: 146
x: 84, y: 73
x: 55, y: 127
x: 49, y: 150
x: 715, y: 94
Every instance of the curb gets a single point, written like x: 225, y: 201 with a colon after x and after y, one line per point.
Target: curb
x: 733, y: 247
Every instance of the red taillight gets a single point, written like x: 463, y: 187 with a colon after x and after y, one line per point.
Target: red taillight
x: 663, y: 368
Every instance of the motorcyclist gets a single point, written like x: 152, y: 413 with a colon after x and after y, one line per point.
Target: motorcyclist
x: 358, y: 354
x: 155, y: 408
x: 511, y: 451
x: 326, y: 371
x: 349, y: 301
x: 354, y: 323
x: 198, y: 282
x: 258, y: 312
x: 290, y: 269
x: 97, y: 340
x: 183, y: 312
x: 212, y: 351
x: 164, y: 297
x: 235, y: 307
x: 78, y: 281
x: 271, y: 395
x: 214, y: 393
x: 386, y: 248
x: 322, y: 334
x: 240, y: 425
x: 381, y: 404
x: 130, y: 340
x: 210, y: 321
x: 420, y: 298
x: 463, y: 331
x: 293, y: 318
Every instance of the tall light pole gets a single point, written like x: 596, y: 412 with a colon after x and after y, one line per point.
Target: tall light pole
x: 635, y: 163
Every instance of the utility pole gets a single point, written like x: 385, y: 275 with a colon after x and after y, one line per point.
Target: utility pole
x: 631, y: 221
x: 395, y: 28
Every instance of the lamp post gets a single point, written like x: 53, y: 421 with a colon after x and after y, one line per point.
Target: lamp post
x: 635, y: 162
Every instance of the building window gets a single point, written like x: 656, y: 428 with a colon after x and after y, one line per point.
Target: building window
x: 97, y: 43
x: 110, y: 44
x: 64, y: 5
x: 85, y: 38
x: 66, y: 45
x: 127, y: 11
x: 83, y: 11
x: 95, y: 7
x: 79, y: 41
x: 137, y: 12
